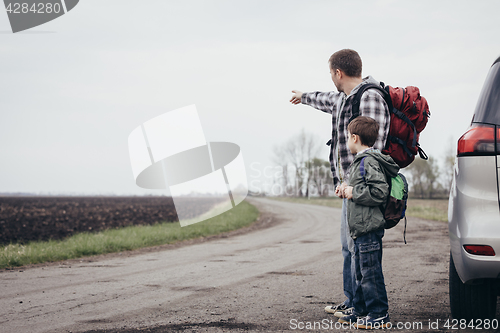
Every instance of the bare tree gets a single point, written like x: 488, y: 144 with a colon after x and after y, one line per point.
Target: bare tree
x: 293, y: 156
x: 449, y: 163
x: 320, y: 176
x: 282, y: 180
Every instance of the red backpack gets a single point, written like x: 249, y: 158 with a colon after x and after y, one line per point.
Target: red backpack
x: 409, y: 115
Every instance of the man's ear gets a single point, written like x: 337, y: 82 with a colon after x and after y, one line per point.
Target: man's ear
x: 339, y: 73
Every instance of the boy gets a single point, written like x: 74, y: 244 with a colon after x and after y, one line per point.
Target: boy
x: 366, y: 223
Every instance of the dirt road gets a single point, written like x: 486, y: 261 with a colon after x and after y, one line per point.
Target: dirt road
x: 274, y: 279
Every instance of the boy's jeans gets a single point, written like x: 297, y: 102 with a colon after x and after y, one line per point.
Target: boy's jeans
x: 370, y: 296
x: 348, y: 253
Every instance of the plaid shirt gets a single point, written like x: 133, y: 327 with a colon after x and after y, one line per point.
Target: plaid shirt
x: 339, y: 105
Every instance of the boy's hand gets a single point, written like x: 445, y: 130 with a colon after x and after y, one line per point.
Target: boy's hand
x: 339, y: 191
x: 297, y: 97
x: 348, y: 192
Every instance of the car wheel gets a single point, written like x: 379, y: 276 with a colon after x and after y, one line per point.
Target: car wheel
x: 471, y: 301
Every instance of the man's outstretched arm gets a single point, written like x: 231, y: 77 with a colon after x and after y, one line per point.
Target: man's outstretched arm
x: 323, y: 101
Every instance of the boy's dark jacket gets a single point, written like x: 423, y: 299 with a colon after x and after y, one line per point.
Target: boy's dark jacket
x: 363, y: 212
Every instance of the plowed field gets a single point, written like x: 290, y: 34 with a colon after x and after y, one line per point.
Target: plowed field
x: 25, y: 219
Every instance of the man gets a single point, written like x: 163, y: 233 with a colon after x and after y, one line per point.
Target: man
x: 345, y: 69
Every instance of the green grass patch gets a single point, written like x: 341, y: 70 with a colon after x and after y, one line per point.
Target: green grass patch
x: 426, y: 209
x: 124, y: 239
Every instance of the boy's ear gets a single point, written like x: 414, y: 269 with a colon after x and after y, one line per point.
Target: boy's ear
x: 355, y: 138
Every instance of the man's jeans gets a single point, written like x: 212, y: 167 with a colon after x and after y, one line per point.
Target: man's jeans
x: 370, y: 296
x: 348, y: 254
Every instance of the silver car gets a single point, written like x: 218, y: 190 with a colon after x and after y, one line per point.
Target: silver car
x: 474, y: 210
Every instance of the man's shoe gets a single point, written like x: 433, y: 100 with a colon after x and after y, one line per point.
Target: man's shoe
x: 374, y: 323
x: 346, y: 312
x: 352, y: 318
x: 335, y: 308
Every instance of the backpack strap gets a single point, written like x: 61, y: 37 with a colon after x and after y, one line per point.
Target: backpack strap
x: 407, y: 120
x: 422, y: 153
x: 402, y: 143
x: 362, y: 168
x: 357, y: 97
x: 404, y: 232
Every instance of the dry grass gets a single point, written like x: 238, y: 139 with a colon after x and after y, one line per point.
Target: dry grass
x: 436, y: 210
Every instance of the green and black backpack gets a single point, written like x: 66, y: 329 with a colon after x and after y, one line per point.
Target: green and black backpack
x: 395, y: 206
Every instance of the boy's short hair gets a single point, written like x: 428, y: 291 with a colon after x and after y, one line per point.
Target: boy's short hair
x: 367, y: 129
x: 348, y: 61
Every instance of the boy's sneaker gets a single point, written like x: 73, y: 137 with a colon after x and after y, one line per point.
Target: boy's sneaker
x: 352, y: 318
x: 346, y: 312
x: 335, y: 308
x: 374, y: 323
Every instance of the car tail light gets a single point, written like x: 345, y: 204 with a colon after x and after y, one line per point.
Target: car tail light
x: 480, y: 250
x: 480, y: 139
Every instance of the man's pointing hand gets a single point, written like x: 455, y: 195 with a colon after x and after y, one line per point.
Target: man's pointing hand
x: 297, y: 97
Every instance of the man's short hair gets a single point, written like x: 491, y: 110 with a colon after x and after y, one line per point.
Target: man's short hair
x: 367, y: 129
x: 348, y: 61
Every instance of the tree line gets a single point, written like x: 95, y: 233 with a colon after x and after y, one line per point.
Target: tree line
x: 304, y: 174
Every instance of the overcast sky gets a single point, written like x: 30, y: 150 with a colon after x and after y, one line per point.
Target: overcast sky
x: 73, y: 89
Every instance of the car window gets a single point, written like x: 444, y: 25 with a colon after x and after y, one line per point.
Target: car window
x: 488, y: 105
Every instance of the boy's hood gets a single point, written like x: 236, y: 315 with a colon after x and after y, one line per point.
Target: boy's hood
x: 385, y: 161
